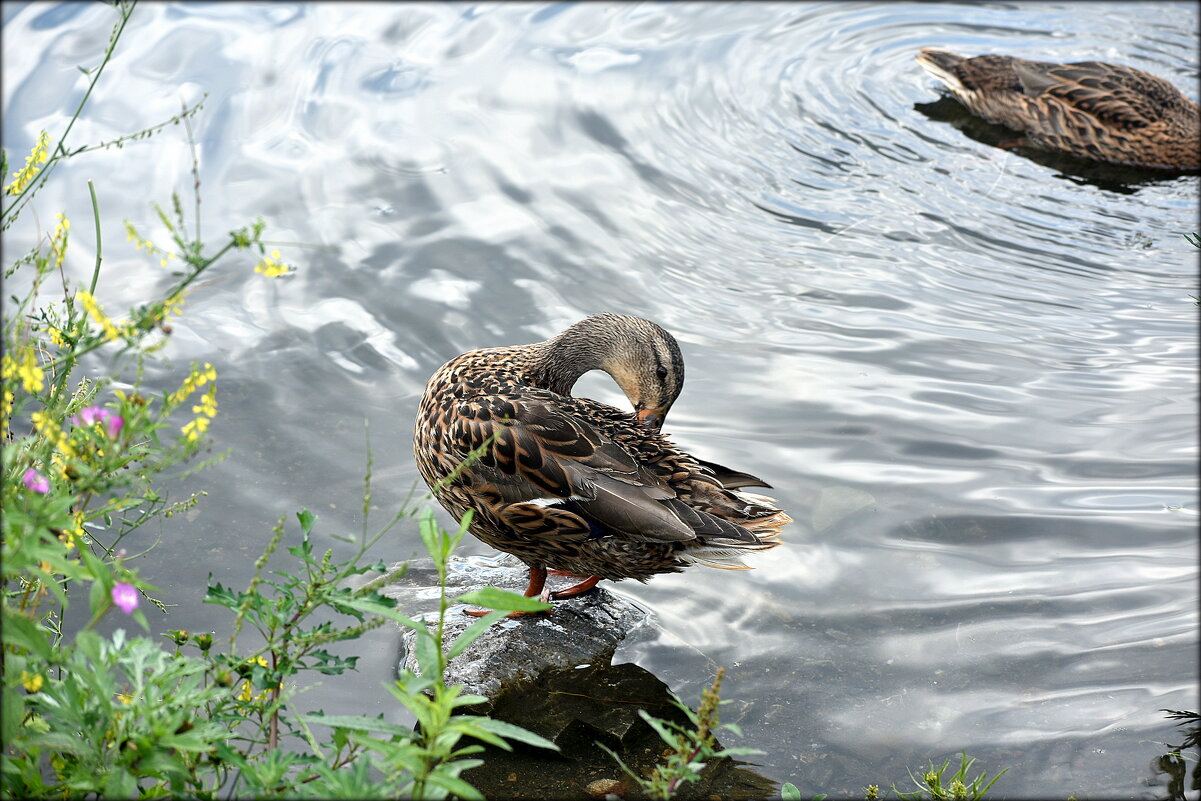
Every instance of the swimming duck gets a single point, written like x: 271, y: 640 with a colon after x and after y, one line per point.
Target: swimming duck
x: 1104, y: 112
x: 575, y: 486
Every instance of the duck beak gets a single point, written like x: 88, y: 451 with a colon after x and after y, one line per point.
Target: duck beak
x: 652, y: 418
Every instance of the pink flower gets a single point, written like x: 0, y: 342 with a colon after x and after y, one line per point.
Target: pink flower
x: 36, y: 482
x: 125, y: 595
x: 98, y: 414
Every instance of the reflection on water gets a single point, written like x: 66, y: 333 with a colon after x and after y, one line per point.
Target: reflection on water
x: 999, y: 352
x: 1111, y: 177
x: 1180, y: 764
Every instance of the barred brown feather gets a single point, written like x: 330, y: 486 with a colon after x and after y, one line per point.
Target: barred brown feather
x: 576, y: 485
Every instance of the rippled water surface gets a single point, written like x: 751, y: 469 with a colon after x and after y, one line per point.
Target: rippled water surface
x: 970, y: 373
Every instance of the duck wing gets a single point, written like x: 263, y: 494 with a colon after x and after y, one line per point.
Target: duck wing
x: 1116, y: 95
x: 731, y: 479
x: 542, y: 468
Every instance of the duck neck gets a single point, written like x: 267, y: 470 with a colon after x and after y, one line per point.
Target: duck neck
x: 559, y: 362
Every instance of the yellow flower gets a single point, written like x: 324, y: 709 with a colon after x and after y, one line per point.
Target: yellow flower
x: 76, y: 534
x: 32, y: 681
x: 30, y: 373
x: 208, y: 403
x: 51, y: 430
x: 172, y: 306
x: 271, y: 266
x: 247, y: 692
x: 6, y: 413
x: 56, y: 336
x: 194, y: 429
x: 33, y: 162
x: 26, y: 369
x: 58, y: 240
x: 111, y: 331
x: 125, y: 699
x: 132, y: 235
x: 197, y: 378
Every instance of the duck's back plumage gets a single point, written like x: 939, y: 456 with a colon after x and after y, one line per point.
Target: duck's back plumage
x: 1090, y: 109
x: 573, y: 484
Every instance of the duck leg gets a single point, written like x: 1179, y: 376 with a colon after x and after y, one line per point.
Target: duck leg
x: 537, y: 587
x: 577, y: 589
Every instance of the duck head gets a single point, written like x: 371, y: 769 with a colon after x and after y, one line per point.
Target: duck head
x: 641, y: 357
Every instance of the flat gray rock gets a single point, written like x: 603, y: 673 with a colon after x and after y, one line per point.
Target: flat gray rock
x: 584, y: 630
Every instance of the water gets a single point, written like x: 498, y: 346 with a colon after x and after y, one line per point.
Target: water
x: 970, y: 375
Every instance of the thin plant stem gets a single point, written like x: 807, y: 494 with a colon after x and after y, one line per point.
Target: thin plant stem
x: 96, y: 219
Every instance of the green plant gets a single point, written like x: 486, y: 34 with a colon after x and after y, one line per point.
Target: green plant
x: 428, y: 764
x: 957, y: 787
x: 123, y: 716
x: 789, y: 792
x: 79, y: 466
x: 1174, y: 763
x: 692, y: 746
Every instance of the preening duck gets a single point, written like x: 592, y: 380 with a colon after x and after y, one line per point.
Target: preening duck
x: 573, y: 485
x: 1090, y: 109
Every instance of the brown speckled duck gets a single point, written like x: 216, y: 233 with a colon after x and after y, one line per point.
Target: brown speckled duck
x: 1104, y: 112
x: 577, y: 486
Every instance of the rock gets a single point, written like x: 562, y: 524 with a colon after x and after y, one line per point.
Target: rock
x: 604, y: 788
x: 553, y: 676
x: 583, y: 630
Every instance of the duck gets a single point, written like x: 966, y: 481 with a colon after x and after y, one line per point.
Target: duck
x: 574, y: 486
x: 1090, y: 109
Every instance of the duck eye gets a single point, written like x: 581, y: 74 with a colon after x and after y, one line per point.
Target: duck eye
x: 661, y: 372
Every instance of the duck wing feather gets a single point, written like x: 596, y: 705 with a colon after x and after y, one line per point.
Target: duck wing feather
x: 543, y: 462
x: 1116, y: 95
x: 731, y: 479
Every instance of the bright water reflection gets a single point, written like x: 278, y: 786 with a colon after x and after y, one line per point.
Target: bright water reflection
x: 971, y: 376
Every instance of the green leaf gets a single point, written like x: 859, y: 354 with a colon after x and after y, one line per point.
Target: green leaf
x: 660, y: 727
x: 97, y: 599
x: 465, y: 726
x: 789, y: 792
x: 493, y: 598
x: 21, y: 632
x: 121, y: 784
x: 454, y: 784
x: 60, y: 741
x: 428, y: 656
x: 472, y: 633
x: 737, y: 751
x: 12, y: 712
x: 427, y: 526
x: 306, y: 519
x: 141, y: 619
x: 52, y: 583
x: 218, y: 594
x: 359, y: 723
x: 513, y: 732
x: 375, y: 606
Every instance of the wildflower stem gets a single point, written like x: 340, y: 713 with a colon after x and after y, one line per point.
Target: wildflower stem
x: 96, y: 218
x: 125, y: 11
x: 195, y: 164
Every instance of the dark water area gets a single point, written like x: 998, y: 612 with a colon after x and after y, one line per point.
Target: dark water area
x: 969, y: 372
